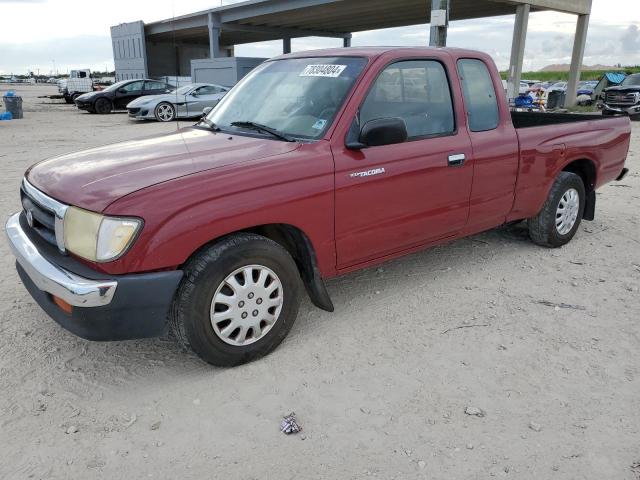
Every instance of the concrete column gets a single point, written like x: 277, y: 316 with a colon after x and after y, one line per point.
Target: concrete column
x: 576, y: 59
x: 346, y: 41
x: 286, y: 45
x: 517, y: 49
x: 214, y: 36
x: 439, y: 24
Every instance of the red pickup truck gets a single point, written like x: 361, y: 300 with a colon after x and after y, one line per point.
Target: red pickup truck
x: 314, y: 165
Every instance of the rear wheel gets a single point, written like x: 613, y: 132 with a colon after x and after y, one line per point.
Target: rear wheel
x: 103, y: 106
x: 238, y: 300
x: 560, y: 217
x: 635, y: 118
x: 165, y: 112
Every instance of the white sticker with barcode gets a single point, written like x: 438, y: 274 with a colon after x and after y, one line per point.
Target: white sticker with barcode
x: 331, y: 71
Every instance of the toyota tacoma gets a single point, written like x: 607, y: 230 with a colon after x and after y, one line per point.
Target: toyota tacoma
x: 314, y: 165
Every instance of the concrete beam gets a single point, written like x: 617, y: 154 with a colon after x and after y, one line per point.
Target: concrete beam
x: 214, y: 36
x: 281, y: 32
x: 243, y: 10
x: 517, y: 50
x: 579, y: 42
x: 577, y: 7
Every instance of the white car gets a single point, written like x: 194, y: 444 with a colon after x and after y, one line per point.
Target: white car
x: 185, y: 102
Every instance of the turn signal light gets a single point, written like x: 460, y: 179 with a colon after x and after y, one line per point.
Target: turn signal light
x: 64, y: 306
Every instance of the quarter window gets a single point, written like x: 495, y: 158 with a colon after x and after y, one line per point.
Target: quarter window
x: 155, y: 86
x: 416, y: 91
x: 479, y: 95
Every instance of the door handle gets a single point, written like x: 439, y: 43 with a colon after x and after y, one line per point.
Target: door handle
x: 456, y: 160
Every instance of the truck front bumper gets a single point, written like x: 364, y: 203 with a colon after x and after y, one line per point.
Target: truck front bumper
x: 624, y: 110
x: 99, y: 307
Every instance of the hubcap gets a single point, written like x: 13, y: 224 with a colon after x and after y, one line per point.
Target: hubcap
x: 567, y: 211
x: 246, y: 305
x: 165, y: 112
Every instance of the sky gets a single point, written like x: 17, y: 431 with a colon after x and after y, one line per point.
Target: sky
x: 47, y: 35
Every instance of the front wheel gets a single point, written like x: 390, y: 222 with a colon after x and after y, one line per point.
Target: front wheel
x: 165, y: 112
x: 237, y: 301
x: 560, y: 217
x: 103, y: 106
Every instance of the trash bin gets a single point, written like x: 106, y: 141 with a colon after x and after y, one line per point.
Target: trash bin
x: 13, y: 104
x: 556, y: 99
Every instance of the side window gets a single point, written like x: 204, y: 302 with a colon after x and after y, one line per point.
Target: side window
x: 154, y: 86
x: 133, y: 87
x: 479, y: 95
x: 416, y: 91
x: 208, y: 90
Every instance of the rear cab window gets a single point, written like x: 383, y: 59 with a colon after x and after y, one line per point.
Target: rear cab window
x: 479, y: 95
x: 417, y: 91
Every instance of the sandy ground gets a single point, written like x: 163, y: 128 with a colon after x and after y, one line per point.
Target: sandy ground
x: 380, y: 387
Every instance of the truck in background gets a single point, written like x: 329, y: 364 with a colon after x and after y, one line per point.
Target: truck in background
x: 79, y: 82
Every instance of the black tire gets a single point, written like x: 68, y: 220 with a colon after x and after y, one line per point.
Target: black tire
x: 542, y: 228
x: 635, y: 118
x: 103, y: 106
x: 68, y: 99
x: 205, y: 273
x: 165, y: 112
x: 74, y: 96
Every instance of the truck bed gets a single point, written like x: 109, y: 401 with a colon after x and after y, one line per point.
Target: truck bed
x: 539, y: 119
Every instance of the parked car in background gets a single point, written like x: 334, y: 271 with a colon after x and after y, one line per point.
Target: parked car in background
x: 118, y: 95
x: 78, y: 83
x: 315, y: 165
x: 185, y: 102
x: 586, y: 87
x: 558, y: 86
x: 623, y: 99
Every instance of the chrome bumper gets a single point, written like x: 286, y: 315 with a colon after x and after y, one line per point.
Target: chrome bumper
x: 50, y: 278
x: 633, y: 110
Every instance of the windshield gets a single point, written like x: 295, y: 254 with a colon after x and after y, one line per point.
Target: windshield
x: 298, y: 97
x: 632, y: 81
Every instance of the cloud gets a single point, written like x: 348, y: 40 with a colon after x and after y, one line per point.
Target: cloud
x: 630, y: 39
x: 86, y: 51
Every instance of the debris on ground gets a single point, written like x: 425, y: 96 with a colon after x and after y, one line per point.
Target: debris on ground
x: 536, y: 427
x: 465, y: 326
x: 289, y: 424
x: 155, y: 426
x: 475, y: 411
x: 560, y: 305
x: 71, y: 430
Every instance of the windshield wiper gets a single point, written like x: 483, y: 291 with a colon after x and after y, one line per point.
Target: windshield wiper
x: 210, y: 124
x: 263, y: 128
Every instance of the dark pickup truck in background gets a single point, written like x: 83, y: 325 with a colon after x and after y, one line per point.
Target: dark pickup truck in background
x: 623, y: 99
x: 314, y: 165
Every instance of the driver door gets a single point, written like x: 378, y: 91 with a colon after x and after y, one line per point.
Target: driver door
x: 391, y: 198
x: 127, y: 93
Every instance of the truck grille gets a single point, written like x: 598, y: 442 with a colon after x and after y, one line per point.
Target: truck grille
x: 41, y: 212
x: 618, y: 98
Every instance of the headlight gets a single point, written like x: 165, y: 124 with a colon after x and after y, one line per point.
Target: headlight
x: 97, y: 237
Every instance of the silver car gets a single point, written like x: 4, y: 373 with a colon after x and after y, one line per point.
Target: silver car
x: 185, y: 102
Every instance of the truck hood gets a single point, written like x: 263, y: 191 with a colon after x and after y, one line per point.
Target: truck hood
x: 95, y: 178
x: 624, y: 89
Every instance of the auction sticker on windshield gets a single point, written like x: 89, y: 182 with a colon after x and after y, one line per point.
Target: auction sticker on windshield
x: 331, y: 71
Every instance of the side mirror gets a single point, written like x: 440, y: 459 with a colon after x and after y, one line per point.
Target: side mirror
x: 206, y: 110
x: 381, y: 131
x: 122, y: 90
